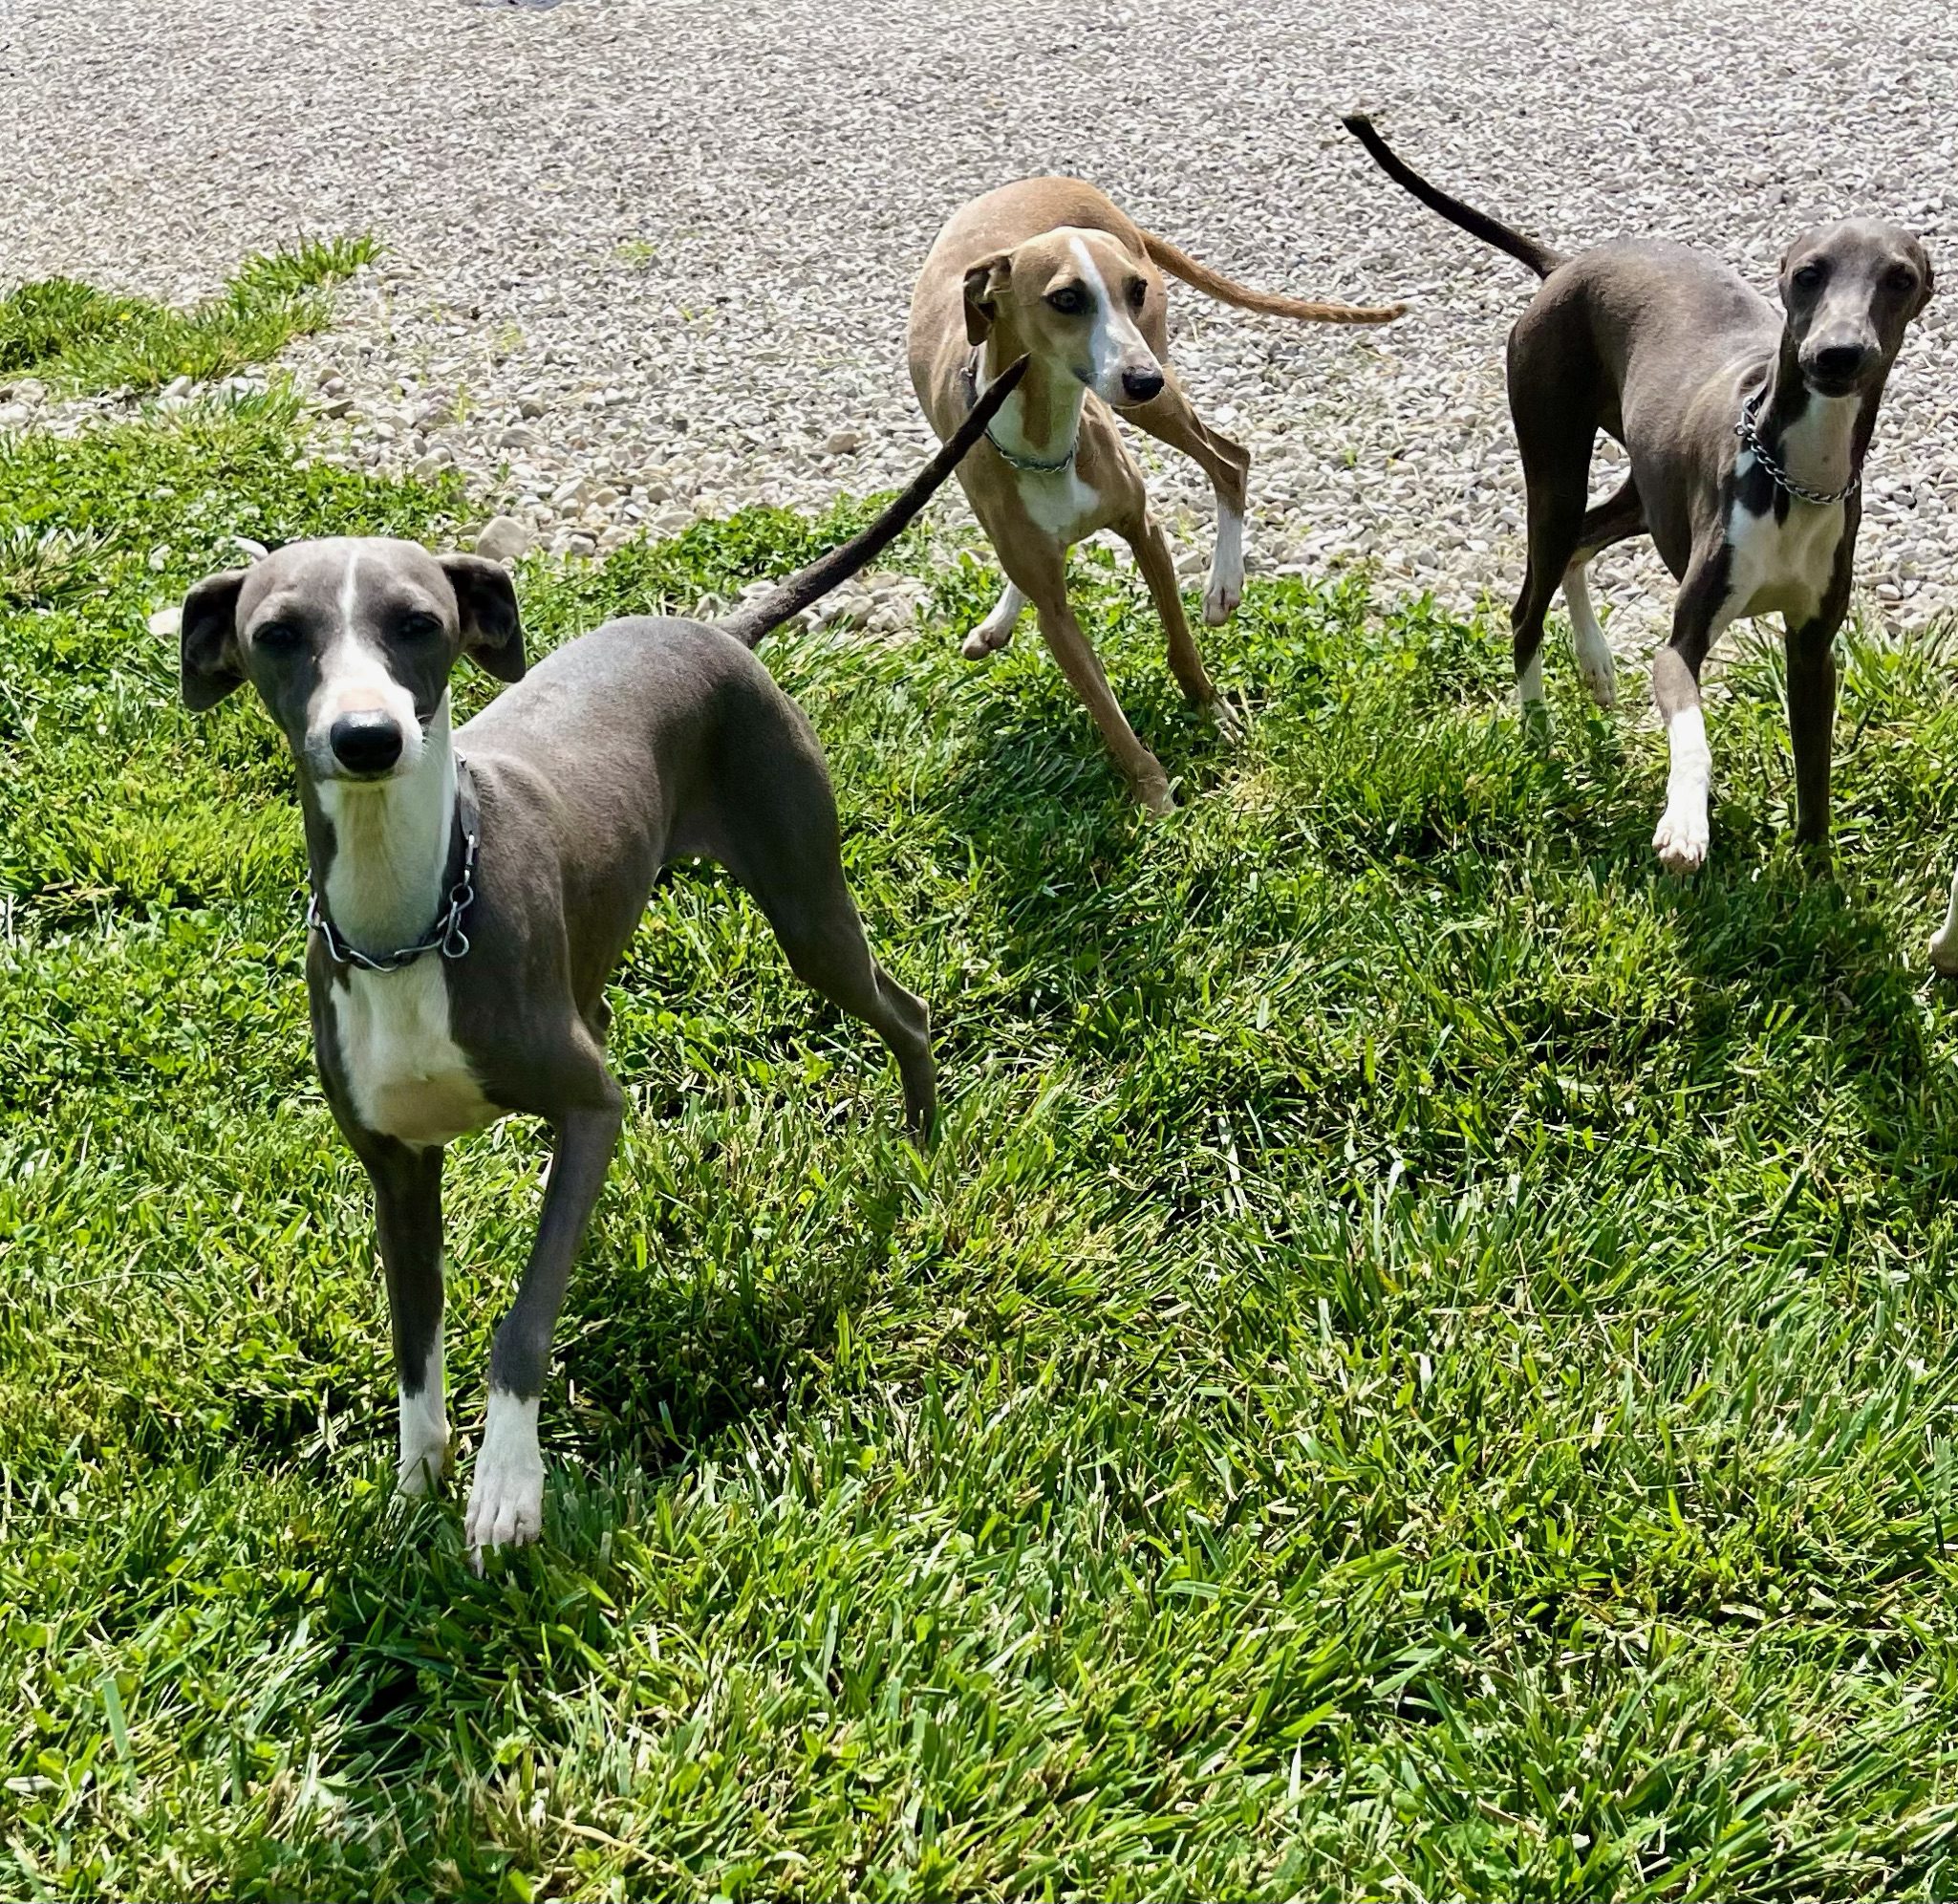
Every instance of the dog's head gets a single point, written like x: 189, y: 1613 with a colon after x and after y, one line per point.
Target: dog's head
x: 350, y: 643
x: 1076, y: 300
x: 1851, y: 291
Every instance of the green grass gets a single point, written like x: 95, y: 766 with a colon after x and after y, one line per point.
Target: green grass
x: 81, y: 339
x: 1422, y: 1365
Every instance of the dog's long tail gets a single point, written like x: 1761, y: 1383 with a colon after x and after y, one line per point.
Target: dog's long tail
x: 1214, y: 284
x: 748, y: 625
x: 1539, y: 258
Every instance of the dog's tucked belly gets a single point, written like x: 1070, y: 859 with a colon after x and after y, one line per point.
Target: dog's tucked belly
x: 405, y: 1073
x: 1783, y: 567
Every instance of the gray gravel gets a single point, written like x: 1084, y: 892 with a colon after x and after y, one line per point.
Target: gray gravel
x: 651, y: 259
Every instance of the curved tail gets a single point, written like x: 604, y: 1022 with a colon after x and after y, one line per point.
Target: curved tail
x: 1539, y: 258
x: 748, y: 625
x: 1214, y: 284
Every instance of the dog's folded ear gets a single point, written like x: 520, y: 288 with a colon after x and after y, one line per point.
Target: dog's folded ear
x: 210, y: 665
x: 492, y: 632
x: 985, y: 284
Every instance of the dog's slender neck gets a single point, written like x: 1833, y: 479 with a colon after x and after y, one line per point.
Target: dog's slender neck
x: 1820, y: 441
x: 379, y: 853
x: 1038, y: 423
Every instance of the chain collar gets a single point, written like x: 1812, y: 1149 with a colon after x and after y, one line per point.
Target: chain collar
x: 970, y: 374
x: 1751, y: 440
x: 446, y: 935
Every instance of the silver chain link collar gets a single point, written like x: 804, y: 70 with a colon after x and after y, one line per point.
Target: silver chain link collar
x: 1751, y: 440
x: 446, y: 935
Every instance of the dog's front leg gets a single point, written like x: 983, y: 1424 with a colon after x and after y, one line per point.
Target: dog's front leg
x: 1145, y: 537
x: 1040, y: 570
x: 1681, y: 837
x: 407, y: 1210
x: 1944, y: 941
x: 507, y: 1499
x: 1811, y: 650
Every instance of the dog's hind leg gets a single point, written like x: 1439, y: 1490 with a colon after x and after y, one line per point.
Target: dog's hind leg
x: 997, y: 629
x: 1612, y: 521
x: 1555, y: 437
x: 774, y: 827
x: 824, y: 943
x: 1553, y: 527
x: 1170, y: 418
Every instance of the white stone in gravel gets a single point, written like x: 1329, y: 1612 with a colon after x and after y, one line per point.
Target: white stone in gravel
x: 503, y: 539
x: 769, y: 326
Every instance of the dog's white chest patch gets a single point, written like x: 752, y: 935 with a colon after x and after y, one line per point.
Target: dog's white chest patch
x: 1064, y: 506
x: 405, y: 1072
x: 1782, y: 567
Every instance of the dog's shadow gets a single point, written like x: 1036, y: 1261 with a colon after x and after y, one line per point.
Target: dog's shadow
x: 1806, y: 941
x: 1777, y: 941
x: 661, y: 1357
x: 655, y: 1360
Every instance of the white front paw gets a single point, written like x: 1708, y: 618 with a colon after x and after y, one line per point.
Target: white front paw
x: 421, y: 1469
x: 985, y: 640
x: 1220, y: 600
x: 1226, y: 567
x: 506, y: 1498
x: 423, y: 1443
x: 505, y: 1509
x: 1945, y: 950
x: 1681, y: 838
x: 1601, y: 677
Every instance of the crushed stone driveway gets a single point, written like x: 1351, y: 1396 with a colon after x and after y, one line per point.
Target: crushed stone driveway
x: 650, y: 259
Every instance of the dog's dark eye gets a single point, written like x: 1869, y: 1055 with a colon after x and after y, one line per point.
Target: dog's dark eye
x: 1139, y: 292
x: 1901, y: 278
x: 277, y: 638
x: 1069, y: 301
x: 419, y: 626
x: 1808, y: 276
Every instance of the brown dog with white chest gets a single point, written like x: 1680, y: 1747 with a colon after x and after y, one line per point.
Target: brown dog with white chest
x: 1052, y: 271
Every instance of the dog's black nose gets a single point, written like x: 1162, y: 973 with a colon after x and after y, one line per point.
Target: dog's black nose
x: 368, y: 742
x: 1140, y: 386
x: 1838, y: 362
